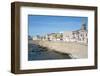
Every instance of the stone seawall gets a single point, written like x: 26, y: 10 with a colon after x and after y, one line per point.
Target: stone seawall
x: 76, y: 50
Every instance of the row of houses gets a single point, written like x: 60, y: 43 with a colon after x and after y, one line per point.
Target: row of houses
x: 80, y: 35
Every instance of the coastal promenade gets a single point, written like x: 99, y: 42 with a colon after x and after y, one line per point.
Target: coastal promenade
x: 74, y: 49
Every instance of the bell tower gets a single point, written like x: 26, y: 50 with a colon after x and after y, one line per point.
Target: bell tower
x: 83, y: 27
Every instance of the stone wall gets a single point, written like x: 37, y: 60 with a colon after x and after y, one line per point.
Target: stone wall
x: 76, y: 50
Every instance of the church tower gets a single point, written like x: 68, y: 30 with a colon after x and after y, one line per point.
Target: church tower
x: 83, y: 27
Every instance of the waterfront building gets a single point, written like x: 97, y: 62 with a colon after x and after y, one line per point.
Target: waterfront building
x: 80, y: 35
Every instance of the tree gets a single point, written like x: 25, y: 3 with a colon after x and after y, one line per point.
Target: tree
x: 58, y: 35
x: 55, y: 35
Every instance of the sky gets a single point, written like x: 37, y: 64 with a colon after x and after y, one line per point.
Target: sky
x: 46, y: 24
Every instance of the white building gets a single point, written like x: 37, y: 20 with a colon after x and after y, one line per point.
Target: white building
x: 76, y: 36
